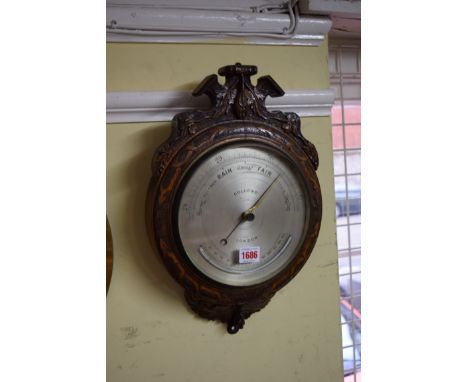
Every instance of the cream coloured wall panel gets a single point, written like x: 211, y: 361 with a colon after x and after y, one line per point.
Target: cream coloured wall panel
x: 139, y: 67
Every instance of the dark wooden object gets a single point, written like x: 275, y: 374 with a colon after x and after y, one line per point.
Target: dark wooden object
x: 237, y: 113
x: 109, y: 255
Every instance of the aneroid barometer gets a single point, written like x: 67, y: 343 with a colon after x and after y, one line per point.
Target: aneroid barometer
x: 234, y: 204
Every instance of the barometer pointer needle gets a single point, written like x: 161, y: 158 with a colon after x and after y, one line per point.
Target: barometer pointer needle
x: 248, y: 213
x: 224, y: 241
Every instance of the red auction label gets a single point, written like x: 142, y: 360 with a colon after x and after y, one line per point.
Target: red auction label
x: 249, y: 255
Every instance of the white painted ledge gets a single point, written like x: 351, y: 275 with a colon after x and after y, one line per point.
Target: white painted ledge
x: 219, y: 38
x: 125, y: 107
x: 143, y: 23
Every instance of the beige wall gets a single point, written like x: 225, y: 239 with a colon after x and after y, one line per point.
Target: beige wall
x: 151, y: 333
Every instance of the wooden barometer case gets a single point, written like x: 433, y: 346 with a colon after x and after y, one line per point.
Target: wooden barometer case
x: 234, y: 204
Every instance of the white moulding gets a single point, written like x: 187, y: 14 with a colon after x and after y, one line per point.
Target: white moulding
x: 126, y: 107
x: 297, y: 40
x: 151, y: 24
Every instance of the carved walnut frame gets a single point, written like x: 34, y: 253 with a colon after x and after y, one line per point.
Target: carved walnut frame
x: 238, y: 113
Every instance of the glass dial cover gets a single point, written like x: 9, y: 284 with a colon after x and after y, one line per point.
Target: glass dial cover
x: 241, y: 199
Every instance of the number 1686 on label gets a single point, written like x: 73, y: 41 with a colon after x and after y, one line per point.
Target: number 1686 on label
x: 249, y: 255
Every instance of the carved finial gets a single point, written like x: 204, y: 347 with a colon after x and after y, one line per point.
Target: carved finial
x: 238, y: 98
x: 236, y: 322
x: 237, y: 69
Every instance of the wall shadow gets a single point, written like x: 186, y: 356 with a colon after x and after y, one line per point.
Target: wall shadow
x: 138, y: 175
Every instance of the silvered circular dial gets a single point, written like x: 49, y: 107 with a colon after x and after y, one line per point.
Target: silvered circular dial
x: 242, y: 214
